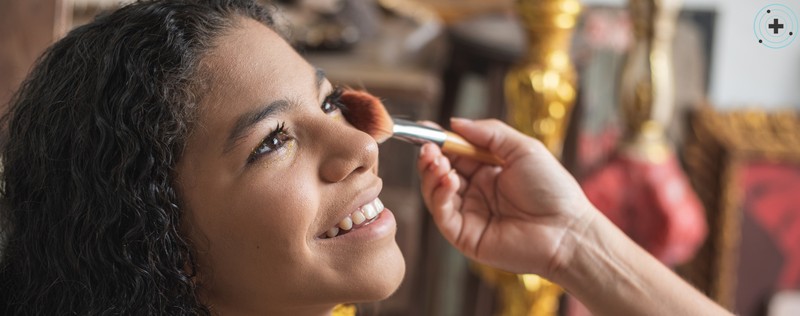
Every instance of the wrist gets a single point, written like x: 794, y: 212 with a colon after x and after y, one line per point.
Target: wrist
x: 598, y: 258
x: 578, y: 234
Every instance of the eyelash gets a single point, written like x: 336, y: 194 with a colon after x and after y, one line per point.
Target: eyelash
x: 274, y: 141
x: 334, y: 99
x: 279, y: 136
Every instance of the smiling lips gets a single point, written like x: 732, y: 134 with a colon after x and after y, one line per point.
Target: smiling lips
x: 365, y: 214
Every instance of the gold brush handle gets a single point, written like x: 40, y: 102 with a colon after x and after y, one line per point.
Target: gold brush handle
x: 455, y: 144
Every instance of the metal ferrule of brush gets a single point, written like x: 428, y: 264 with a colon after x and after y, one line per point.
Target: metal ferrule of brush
x: 417, y: 134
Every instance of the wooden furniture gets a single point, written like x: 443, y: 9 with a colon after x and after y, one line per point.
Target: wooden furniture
x: 454, y: 11
x: 488, y: 46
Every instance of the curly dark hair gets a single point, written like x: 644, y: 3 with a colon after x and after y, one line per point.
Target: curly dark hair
x: 91, y: 221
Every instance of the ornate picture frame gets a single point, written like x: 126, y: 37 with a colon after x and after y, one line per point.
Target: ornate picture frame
x: 745, y: 167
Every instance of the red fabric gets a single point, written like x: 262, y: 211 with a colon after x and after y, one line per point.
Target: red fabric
x: 772, y: 198
x: 653, y: 203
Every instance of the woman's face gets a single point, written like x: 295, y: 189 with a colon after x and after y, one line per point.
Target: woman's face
x: 269, y: 169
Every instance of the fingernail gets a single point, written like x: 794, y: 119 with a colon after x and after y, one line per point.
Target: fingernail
x: 434, y: 164
x: 459, y: 120
x: 423, y: 150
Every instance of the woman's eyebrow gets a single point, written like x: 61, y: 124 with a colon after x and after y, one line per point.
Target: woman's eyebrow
x: 320, y: 74
x: 246, y: 121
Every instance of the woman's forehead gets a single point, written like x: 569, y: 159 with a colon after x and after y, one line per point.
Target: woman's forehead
x: 250, y: 49
x: 253, y: 63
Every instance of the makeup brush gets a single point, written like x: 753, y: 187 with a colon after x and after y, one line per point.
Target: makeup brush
x: 367, y: 113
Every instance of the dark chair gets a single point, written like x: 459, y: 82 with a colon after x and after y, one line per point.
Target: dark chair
x: 487, y: 46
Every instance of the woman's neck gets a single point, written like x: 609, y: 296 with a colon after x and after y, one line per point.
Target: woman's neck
x: 328, y: 310
x: 235, y: 306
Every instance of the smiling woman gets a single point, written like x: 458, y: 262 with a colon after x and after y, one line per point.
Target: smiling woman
x: 179, y: 157
x: 295, y: 170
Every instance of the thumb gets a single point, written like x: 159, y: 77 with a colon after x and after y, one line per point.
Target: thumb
x: 496, y: 136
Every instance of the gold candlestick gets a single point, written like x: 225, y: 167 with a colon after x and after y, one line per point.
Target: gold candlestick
x: 647, y: 85
x: 541, y: 89
x: 540, y: 93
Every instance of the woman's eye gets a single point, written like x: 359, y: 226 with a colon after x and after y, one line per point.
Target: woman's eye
x: 332, y: 102
x: 274, y: 141
x: 328, y: 108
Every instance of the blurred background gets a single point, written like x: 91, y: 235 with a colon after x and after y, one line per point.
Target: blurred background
x: 680, y: 119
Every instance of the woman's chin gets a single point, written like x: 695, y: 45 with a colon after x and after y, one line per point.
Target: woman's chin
x: 392, y: 277
x: 386, y: 280
x: 393, y: 282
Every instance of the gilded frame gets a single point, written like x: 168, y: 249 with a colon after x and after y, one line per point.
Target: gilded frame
x: 718, y: 147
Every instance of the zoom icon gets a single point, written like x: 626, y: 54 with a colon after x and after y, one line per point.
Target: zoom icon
x: 775, y: 26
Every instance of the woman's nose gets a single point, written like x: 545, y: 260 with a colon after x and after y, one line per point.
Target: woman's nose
x: 346, y: 151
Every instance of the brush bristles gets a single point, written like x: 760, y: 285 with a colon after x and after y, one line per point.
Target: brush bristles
x: 367, y: 113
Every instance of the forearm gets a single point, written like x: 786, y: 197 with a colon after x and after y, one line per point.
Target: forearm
x: 612, y: 275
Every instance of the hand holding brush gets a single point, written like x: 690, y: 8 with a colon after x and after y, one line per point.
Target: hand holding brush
x: 530, y: 216
x: 367, y: 113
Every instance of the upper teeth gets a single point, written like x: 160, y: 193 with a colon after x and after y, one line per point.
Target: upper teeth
x: 365, y: 213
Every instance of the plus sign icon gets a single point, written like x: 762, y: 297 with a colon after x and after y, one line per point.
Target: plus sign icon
x: 775, y: 26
